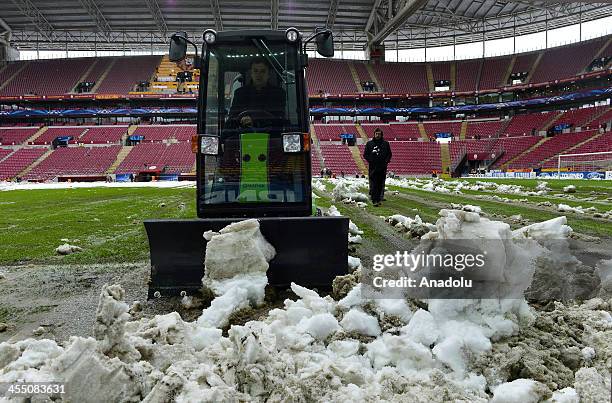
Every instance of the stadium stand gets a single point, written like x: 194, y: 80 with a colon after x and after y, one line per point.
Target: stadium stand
x: 523, y: 63
x: 402, y: 131
x: 413, y: 157
x: 75, y: 161
x: 362, y: 71
x: 18, y: 161
x: 467, y: 75
x: 575, y: 59
x: 166, y: 132
x: 453, y: 127
x: 514, y: 146
x: 549, y: 148
x: 126, y: 72
x: 338, y: 158
x: 332, y: 132
x: 4, y: 152
x: 441, y: 71
x: 487, y: 129
x: 52, y: 132
x: 329, y: 76
x: 523, y: 124
x: 493, y: 71
x: 16, y: 135
x: 402, y: 77
x: 580, y: 117
x: 65, y: 73
x: 176, y: 158
x: 598, y: 144
x: 103, y: 135
x: 100, y: 66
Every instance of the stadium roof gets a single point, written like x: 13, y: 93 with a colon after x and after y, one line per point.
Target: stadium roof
x: 144, y: 24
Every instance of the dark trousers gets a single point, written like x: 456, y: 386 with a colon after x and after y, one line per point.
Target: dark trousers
x: 377, y: 177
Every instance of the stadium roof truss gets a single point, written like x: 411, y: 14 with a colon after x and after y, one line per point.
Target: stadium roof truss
x: 403, y: 24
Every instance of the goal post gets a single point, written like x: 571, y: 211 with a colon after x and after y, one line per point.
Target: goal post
x: 584, y: 162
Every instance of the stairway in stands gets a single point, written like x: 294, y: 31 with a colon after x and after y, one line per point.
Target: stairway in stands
x: 534, y: 67
x: 463, y: 132
x: 15, y: 74
x: 508, y: 72
x: 125, y: 150
x: 422, y: 131
x: 374, y: 77
x: 430, y: 79
x: 358, y: 160
x: 355, y: 76
x: 445, y: 157
x: 527, y: 151
x: 35, y: 163
x: 103, y: 76
x: 36, y: 135
x: 361, y: 132
x: 316, y: 146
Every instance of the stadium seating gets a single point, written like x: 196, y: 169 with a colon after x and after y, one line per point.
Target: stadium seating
x: 327, y: 132
x: 441, y: 71
x: 13, y: 135
x: 580, y: 117
x: 100, y: 66
x: 599, y: 144
x: 493, y: 71
x: 467, y: 75
x: 103, y: 135
x: 522, y: 125
x: 362, y: 71
x: 5, y: 152
x: 403, y: 131
x: 329, y: 76
x: 18, y: 161
x: 315, y: 163
x: 402, y: 78
x: 565, y: 62
x: 339, y: 158
x: 431, y: 128
x: 524, y: 62
x: 30, y: 80
x: 155, y: 133
x: 551, y: 147
x: 176, y: 158
x: 484, y: 130
x: 126, y: 72
x: 52, y: 132
x: 75, y: 161
x: 413, y: 157
x: 9, y: 70
x: 513, y: 146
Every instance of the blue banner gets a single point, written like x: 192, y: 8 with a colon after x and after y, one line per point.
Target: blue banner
x: 99, y: 112
x: 573, y: 175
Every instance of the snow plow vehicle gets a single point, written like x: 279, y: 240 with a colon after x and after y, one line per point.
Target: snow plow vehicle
x: 253, y: 161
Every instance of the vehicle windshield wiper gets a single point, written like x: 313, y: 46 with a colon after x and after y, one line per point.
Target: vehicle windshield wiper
x: 267, y: 53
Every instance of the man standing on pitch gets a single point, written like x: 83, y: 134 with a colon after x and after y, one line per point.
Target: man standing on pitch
x: 378, y: 154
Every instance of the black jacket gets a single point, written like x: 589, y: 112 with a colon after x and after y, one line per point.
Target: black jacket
x: 377, y: 153
x: 269, y: 99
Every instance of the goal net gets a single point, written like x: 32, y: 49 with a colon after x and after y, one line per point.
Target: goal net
x: 585, y: 162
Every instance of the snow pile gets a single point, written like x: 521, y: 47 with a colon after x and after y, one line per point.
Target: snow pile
x: 67, y: 249
x: 415, y: 228
x: 604, y: 271
x: 319, y: 185
x: 467, y: 207
x: 569, y: 189
x: 317, y: 348
x: 564, y: 208
x: 347, y: 191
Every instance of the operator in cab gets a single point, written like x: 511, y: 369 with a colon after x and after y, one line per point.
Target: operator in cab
x: 258, y: 99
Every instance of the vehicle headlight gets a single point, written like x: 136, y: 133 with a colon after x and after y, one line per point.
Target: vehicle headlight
x: 292, y: 34
x: 210, y: 36
x: 209, y: 145
x: 292, y: 143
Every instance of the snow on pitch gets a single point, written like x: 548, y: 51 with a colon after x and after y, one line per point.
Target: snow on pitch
x: 315, y: 347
